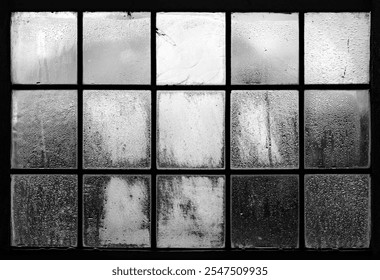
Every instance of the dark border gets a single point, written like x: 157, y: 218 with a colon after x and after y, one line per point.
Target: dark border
x: 6, y: 7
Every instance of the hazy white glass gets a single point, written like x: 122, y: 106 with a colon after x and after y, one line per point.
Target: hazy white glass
x: 116, y: 48
x: 44, y: 48
x: 264, y: 48
x: 337, y: 48
x: 190, y: 48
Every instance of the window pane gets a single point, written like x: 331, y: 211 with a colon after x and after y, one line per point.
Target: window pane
x: 264, y: 129
x: 116, y: 211
x: 265, y: 211
x: 264, y: 48
x: 44, y: 210
x: 337, y: 211
x: 190, y: 48
x: 44, y: 48
x: 337, y: 128
x: 190, y: 211
x: 337, y: 47
x: 116, y: 129
x: 116, y: 48
x: 44, y: 129
x: 190, y: 129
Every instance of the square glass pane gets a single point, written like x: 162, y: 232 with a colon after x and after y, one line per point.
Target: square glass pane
x: 337, y: 127
x: 337, y: 48
x: 116, y: 48
x: 117, y: 126
x: 190, y: 48
x: 264, y: 129
x: 44, y: 129
x: 44, y: 48
x: 265, y: 211
x: 116, y: 211
x: 337, y: 211
x: 44, y: 210
x: 264, y: 48
x: 190, y: 211
x: 190, y: 129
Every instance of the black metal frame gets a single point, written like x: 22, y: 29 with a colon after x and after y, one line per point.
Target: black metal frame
x: 228, y: 7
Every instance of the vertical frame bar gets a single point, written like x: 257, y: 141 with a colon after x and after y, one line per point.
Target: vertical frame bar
x: 301, y: 104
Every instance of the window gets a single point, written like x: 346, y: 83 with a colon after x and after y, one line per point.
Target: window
x: 243, y: 131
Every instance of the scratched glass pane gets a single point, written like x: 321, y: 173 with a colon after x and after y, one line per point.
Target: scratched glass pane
x: 44, y: 210
x: 264, y: 48
x: 116, y: 129
x: 264, y: 129
x: 116, y: 48
x: 337, y: 127
x: 190, y: 211
x: 190, y: 48
x: 44, y: 129
x: 337, y: 48
x: 265, y: 211
x: 190, y: 129
x: 116, y: 211
x: 337, y: 211
x: 44, y: 48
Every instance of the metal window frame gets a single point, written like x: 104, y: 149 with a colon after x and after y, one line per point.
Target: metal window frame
x: 228, y: 7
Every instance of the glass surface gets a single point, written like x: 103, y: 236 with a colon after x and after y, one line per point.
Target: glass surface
x: 190, y: 129
x: 337, y: 129
x: 264, y: 129
x: 116, y: 48
x: 337, y: 211
x: 190, y: 211
x: 116, y: 211
x: 44, y: 210
x: 44, y: 129
x: 190, y: 48
x: 337, y: 48
x: 44, y: 48
x: 265, y: 211
x: 117, y: 128
x: 264, y: 48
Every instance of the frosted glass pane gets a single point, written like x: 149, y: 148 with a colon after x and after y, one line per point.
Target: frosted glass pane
x: 190, y: 129
x: 190, y: 211
x: 116, y: 211
x: 337, y: 47
x: 116, y: 48
x: 44, y: 48
x: 44, y: 210
x: 116, y: 129
x: 265, y: 211
x: 44, y: 129
x: 337, y: 211
x: 264, y: 48
x: 190, y: 48
x: 264, y: 129
x: 337, y: 127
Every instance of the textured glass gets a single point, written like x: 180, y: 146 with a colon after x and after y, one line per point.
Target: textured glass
x: 337, y: 48
x: 44, y: 210
x: 116, y: 129
x: 44, y: 129
x: 337, y: 211
x: 44, y: 48
x: 264, y: 129
x: 116, y: 48
x: 265, y: 211
x: 264, y: 48
x: 190, y: 129
x: 190, y: 211
x: 190, y: 48
x: 116, y: 211
x: 337, y: 127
